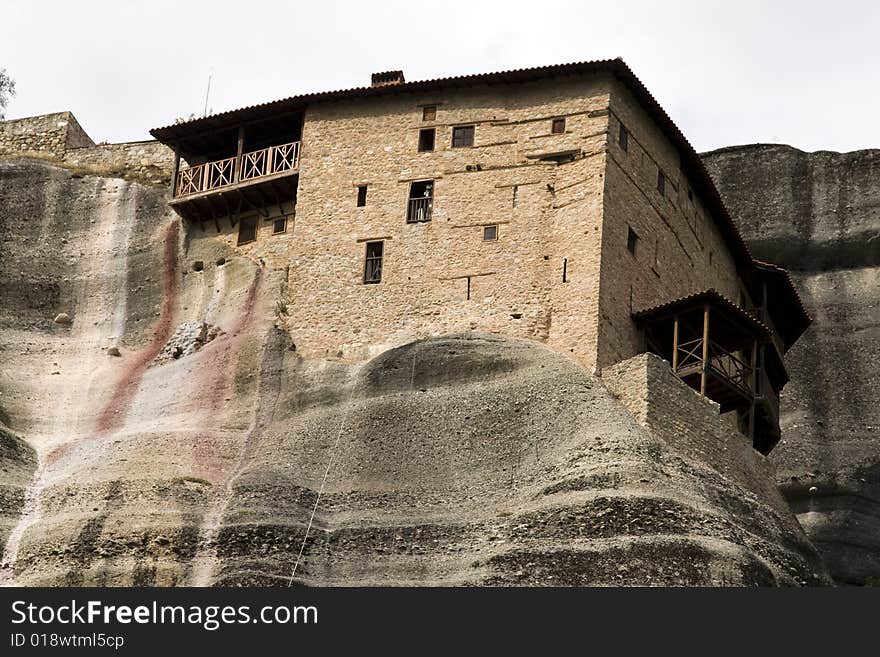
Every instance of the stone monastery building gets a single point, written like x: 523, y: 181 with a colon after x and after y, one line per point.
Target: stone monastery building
x: 559, y: 204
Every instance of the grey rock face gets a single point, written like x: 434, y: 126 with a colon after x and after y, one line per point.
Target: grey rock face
x: 465, y: 459
x: 818, y: 214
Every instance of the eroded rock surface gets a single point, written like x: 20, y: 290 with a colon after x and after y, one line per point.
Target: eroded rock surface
x: 818, y: 214
x: 466, y: 459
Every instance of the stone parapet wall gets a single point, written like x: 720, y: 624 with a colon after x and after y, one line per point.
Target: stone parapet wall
x: 148, y: 161
x: 678, y: 415
x: 59, y: 138
x: 50, y: 134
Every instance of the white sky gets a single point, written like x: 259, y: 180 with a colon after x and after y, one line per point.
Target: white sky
x: 740, y: 71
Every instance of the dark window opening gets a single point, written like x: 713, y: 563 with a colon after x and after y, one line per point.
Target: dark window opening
x: 515, y: 195
x: 463, y: 136
x: 661, y: 182
x: 247, y: 230
x: 565, y: 270
x: 421, y: 201
x: 468, y: 288
x: 279, y: 226
x: 490, y: 233
x: 362, y: 196
x: 429, y: 113
x: 558, y: 126
x: 632, y: 240
x: 623, y: 138
x: 373, y: 262
x: 426, y: 139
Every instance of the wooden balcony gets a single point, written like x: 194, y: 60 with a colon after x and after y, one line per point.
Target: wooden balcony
x: 282, y: 159
x: 718, y: 349
x: 257, y: 181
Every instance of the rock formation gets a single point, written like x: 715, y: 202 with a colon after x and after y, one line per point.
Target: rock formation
x: 818, y: 214
x: 462, y: 459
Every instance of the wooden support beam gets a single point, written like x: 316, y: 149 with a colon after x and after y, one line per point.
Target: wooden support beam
x: 675, y: 345
x: 754, y: 384
x: 175, y: 171
x: 705, y: 369
x: 238, y: 154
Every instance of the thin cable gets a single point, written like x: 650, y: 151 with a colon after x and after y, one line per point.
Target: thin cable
x: 321, y: 489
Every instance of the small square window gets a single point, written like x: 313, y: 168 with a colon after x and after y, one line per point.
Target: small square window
x: 558, y: 126
x: 426, y: 139
x: 429, y: 113
x: 362, y: 196
x: 373, y: 262
x: 623, y: 138
x: 247, y: 230
x: 279, y: 226
x: 463, y: 136
x: 661, y: 182
x: 490, y: 233
x: 632, y: 240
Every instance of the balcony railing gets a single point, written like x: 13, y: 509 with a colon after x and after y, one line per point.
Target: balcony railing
x: 419, y: 209
x: 222, y: 173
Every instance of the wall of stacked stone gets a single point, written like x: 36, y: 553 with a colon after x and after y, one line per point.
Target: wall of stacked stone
x: 678, y: 415
x: 516, y: 282
x: 49, y: 134
x: 60, y: 137
x: 146, y: 161
x: 679, y: 249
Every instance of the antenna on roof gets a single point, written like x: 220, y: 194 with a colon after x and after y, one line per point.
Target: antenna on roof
x: 207, y: 94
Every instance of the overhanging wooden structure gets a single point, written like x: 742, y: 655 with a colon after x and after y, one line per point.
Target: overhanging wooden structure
x: 232, y: 164
x: 720, y: 350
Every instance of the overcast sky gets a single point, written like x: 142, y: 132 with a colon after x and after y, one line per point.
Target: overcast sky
x: 741, y: 71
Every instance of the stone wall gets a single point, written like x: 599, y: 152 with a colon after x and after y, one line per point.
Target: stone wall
x: 59, y: 138
x: 148, y: 161
x: 679, y: 249
x: 678, y: 415
x: 50, y: 134
x: 516, y: 282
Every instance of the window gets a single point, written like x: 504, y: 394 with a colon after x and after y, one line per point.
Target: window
x: 515, y: 195
x: 362, y: 196
x: 421, y: 201
x: 429, y: 113
x: 373, y: 262
x: 558, y: 126
x: 279, y: 226
x: 623, y: 138
x: 426, y: 139
x: 632, y: 240
x: 490, y: 233
x: 247, y: 230
x: 565, y: 270
x: 463, y: 136
x: 661, y: 182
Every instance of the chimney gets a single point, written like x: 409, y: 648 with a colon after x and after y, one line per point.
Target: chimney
x: 387, y: 78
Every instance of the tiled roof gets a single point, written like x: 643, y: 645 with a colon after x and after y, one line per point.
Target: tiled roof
x: 711, y: 296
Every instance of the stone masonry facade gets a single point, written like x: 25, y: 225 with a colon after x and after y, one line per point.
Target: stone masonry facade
x: 560, y: 271
x: 675, y: 413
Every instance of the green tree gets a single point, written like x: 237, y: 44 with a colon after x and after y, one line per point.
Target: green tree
x: 7, y: 91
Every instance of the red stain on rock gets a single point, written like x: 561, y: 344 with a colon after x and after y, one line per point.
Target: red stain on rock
x: 115, y: 410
